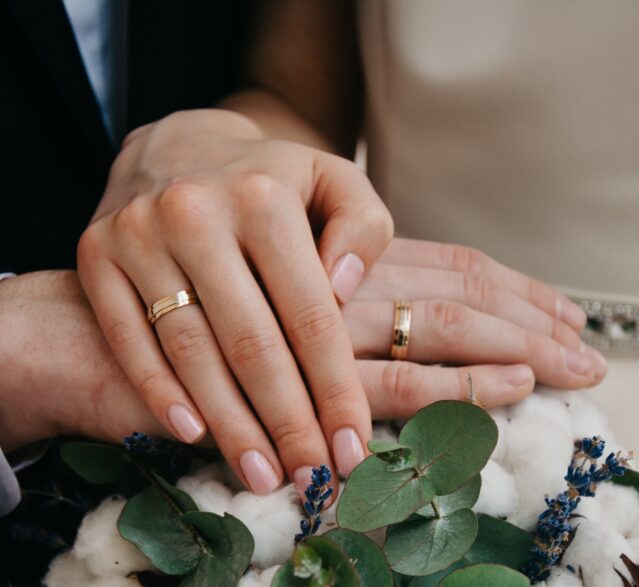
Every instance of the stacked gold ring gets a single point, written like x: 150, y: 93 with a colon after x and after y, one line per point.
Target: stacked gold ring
x: 167, y: 304
x: 401, y: 330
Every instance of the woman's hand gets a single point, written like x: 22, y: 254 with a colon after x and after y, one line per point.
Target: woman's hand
x: 199, y: 200
x: 467, y: 310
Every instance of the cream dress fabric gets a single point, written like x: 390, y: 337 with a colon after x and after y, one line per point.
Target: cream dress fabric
x: 513, y: 126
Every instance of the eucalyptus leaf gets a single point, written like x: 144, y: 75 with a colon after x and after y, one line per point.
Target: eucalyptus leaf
x: 374, y: 497
x: 630, y: 478
x: 377, y: 446
x: 336, y: 566
x: 227, y: 548
x: 485, y: 575
x: 306, y: 562
x: 152, y: 520
x: 94, y: 462
x: 181, y: 499
x: 464, y: 498
x: 452, y: 441
x: 436, y: 579
x: 424, y: 546
x: 500, y: 542
x: 367, y: 558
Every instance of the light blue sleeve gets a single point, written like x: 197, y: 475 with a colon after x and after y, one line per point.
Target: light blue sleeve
x: 9, y: 488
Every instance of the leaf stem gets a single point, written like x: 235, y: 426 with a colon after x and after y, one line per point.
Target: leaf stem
x: 435, y: 508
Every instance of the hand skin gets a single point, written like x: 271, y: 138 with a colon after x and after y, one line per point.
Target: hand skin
x: 60, y: 377
x: 202, y: 200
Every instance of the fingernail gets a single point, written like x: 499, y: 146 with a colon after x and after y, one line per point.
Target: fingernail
x: 517, y: 376
x: 259, y: 473
x: 302, y: 479
x: 346, y: 276
x: 571, y: 313
x: 577, y: 362
x: 601, y: 365
x: 348, y: 451
x: 188, y: 427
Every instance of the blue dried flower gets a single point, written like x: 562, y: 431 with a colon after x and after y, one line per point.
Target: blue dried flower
x: 554, y: 531
x: 316, y: 495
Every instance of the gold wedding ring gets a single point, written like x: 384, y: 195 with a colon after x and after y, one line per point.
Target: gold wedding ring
x: 163, y: 306
x: 401, y: 330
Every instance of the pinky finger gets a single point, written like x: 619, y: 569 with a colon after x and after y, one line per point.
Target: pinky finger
x: 398, y: 389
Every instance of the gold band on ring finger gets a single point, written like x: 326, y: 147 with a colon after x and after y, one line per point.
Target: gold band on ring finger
x: 401, y: 330
x: 184, y: 297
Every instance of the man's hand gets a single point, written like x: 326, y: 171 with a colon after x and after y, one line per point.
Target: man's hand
x: 58, y: 375
x: 199, y: 200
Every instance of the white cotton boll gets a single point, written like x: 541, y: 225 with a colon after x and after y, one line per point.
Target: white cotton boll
x: 208, y: 495
x: 562, y: 578
x: 588, y: 420
x: 114, y: 582
x: 273, y: 520
x: 67, y: 570
x: 621, y: 508
x: 596, y: 548
x: 101, y: 546
x: 383, y: 431
x: 501, y: 417
x: 498, y: 496
x: 258, y: 578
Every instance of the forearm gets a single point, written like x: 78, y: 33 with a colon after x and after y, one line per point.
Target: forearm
x: 303, y: 74
x: 277, y: 119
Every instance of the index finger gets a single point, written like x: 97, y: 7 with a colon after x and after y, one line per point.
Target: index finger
x: 420, y: 253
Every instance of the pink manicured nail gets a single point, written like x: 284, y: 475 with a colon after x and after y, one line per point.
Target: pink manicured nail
x: 188, y: 427
x: 601, y: 365
x: 347, y: 450
x: 302, y: 479
x: 517, y: 376
x: 258, y: 472
x: 578, y: 362
x: 346, y: 276
x: 571, y: 314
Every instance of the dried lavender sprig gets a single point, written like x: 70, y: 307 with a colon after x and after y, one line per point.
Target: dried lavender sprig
x: 554, y: 531
x: 316, y: 495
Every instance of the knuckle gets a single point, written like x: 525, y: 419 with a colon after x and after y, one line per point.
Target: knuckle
x: 448, y: 319
x: 188, y: 344
x: 315, y: 324
x: 90, y: 246
x: 291, y: 432
x: 464, y: 258
x: 258, y: 192
x: 122, y: 335
x: 150, y: 385
x: 336, y: 397
x: 252, y: 347
x: 400, y: 380
x: 380, y: 222
x: 478, y: 290
x: 183, y: 204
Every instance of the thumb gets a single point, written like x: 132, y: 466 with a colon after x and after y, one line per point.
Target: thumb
x: 357, y: 227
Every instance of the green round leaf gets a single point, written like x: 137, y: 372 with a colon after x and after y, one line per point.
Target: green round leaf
x: 464, y: 498
x: 374, y: 497
x: 94, y: 462
x: 500, y: 542
x: 336, y: 565
x: 630, y: 479
x: 436, y: 579
x: 485, y: 575
x: 153, y: 522
x: 226, y: 553
x: 452, y: 441
x: 368, y: 559
x: 422, y: 546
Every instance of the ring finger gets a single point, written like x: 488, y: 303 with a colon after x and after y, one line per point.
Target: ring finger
x: 444, y: 331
